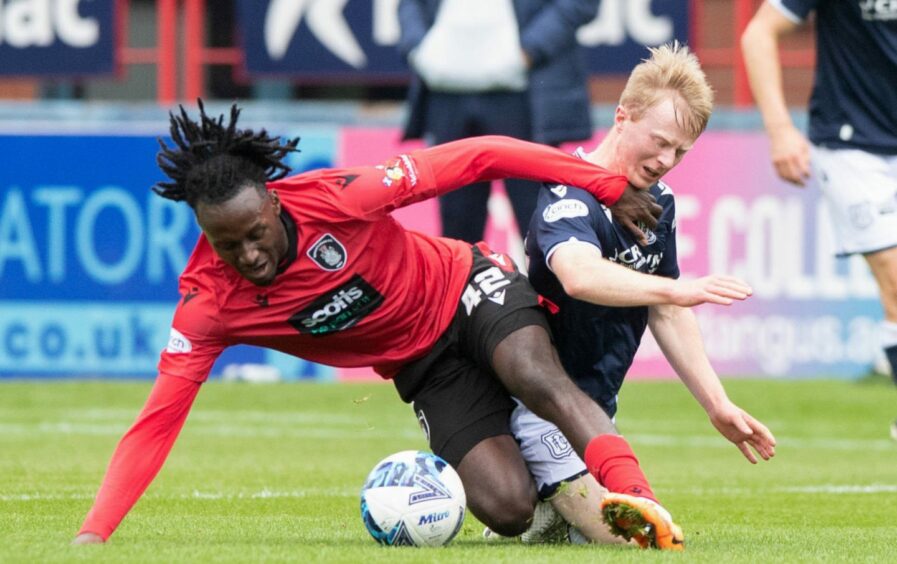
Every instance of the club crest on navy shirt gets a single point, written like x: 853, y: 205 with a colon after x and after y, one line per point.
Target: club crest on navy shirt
x: 649, y: 235
x: 328, y: 253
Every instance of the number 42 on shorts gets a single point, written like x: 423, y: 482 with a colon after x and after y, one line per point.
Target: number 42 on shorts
x: 489, y: 283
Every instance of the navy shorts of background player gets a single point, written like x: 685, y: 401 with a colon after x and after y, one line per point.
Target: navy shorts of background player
x: 597, y: 343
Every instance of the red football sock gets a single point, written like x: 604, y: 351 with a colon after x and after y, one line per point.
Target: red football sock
x: 610, y: 459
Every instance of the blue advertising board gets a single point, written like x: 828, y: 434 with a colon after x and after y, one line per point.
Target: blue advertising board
x: 57, y: 37
x: 89, y: 257
x: 357, y: 38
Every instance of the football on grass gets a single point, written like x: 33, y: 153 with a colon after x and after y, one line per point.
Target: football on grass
x: 413, y: 498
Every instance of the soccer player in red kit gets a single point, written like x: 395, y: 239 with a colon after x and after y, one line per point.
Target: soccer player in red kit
x: 313, y: 265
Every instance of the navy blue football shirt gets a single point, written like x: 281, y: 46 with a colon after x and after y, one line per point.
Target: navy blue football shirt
x: 597, y: 343
x: 854, y: 100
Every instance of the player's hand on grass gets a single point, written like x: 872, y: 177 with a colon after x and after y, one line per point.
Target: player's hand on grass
x: 714, y: 289
x: 790, y: 153
x: 743, y: 431
x: 88, y: 538
x: 636, y: 210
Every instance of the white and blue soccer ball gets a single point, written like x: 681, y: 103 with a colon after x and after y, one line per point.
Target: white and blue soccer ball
x: 413, y: 498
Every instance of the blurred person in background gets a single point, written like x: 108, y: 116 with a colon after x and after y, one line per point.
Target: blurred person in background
x: 852, y: 146
x: 314, y: 265
x: 505, y: 67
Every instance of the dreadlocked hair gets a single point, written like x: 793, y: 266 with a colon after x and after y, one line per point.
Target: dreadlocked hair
x: 211, y: 162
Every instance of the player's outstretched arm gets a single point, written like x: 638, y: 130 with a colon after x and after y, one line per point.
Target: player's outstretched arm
x: 492, y: 157
x: 714, y: 289
x: 743, y: 431
x: 587, y: 276
x: 677, y: 333
x: 789, y: 149
x: 139, y: 456
x: 434, y: 171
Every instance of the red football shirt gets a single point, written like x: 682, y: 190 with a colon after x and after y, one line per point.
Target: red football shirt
x: 361, y: 290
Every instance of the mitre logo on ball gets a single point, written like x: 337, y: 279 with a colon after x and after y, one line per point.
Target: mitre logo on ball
x: 413, y: 498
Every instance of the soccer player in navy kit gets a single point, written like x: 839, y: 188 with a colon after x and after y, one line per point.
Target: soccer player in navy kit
x: 594, y: 274
x: 852, y: 147
x: 314, y: 265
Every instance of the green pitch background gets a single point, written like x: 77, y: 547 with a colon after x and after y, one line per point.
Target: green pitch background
x: 273, y: 472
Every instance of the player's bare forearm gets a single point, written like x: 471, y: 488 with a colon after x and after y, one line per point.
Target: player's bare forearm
x: 713, y: 289
x: 759, y: 45
x: 677, y: 334
x: 139, y: 456
x: 587, y: 276
x: 789, y: 149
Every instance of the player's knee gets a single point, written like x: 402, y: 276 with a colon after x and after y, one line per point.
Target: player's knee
x: 552, y: 401
x: 547, y: 386
x: 540, y: 383
x: 511, y: 518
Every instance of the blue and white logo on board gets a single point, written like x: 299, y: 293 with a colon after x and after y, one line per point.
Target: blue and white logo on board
x: 90, y: 259
x: 360, y: 38
x: 57, y: 37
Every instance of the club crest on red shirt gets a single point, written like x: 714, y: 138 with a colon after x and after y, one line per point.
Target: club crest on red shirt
x: 328, y: 253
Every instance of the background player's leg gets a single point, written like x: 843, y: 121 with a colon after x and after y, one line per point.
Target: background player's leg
x: 508, y: 113
x: 884, y: 267
x: 463, y: 212
x: 500, y: 490
x: 522, y: 194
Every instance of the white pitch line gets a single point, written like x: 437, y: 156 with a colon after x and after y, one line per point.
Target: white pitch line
x: 206, y: 429
x: 340, y: 492
x: 197, y: 494
x: 841, y: 489
x: 43, y: 497
x: 126, y: 416
x: 716, y: 441
x: 821, y: 489
x: 355, y: 428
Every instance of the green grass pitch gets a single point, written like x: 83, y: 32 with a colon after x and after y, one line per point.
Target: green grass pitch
x: 273, y: 473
